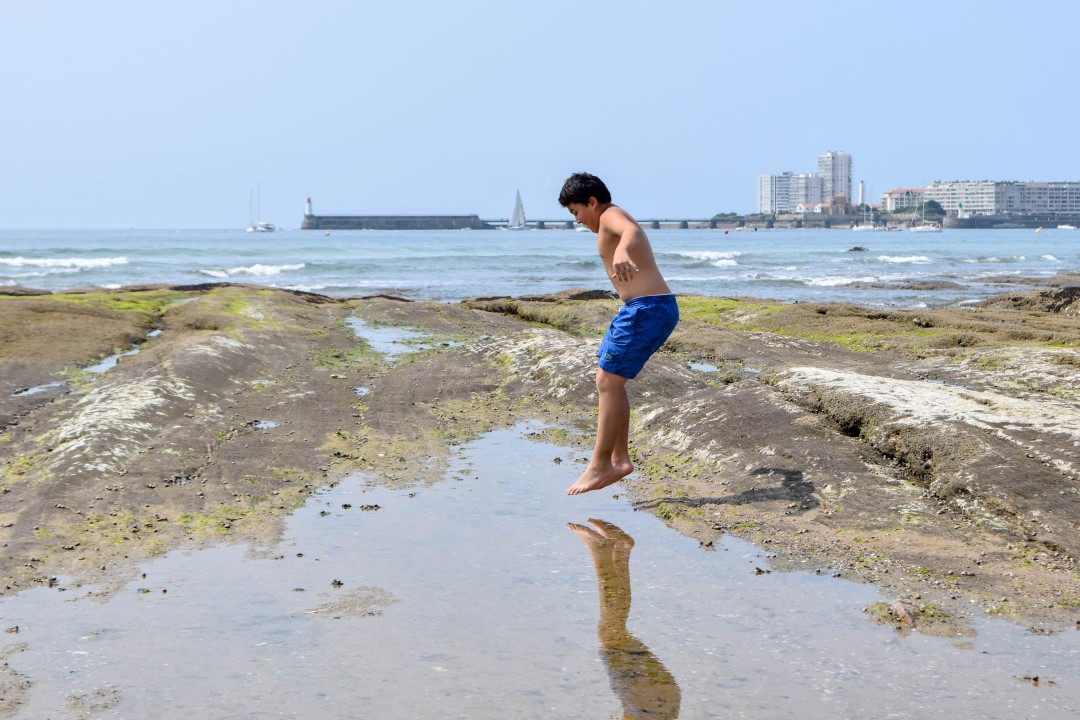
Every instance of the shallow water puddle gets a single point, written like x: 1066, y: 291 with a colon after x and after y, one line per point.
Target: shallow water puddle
x: 392, y: 341
x: 98, y: 368
x: 474, y: 598
x: 264, y: 424
x: 37, y: 389
x: 113, y: 360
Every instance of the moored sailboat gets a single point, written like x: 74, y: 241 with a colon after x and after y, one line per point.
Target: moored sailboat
x: 517, y: 218
x: 257, y: 225
x: 924, y: 225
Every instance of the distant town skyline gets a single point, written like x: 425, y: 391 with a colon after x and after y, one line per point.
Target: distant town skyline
x: 166, y: 115
x: 789, y: 192
x: 830, y: 191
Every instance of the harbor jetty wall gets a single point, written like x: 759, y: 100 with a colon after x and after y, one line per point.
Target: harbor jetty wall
x: 1003, y: 221
x: 394, y: 222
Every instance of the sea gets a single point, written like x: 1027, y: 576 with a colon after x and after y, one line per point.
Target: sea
x: 895, y: 269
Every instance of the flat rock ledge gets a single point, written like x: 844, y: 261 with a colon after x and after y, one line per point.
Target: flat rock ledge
x: 932, y: 453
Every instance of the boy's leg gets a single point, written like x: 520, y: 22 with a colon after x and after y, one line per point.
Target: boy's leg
x: 611, y: 458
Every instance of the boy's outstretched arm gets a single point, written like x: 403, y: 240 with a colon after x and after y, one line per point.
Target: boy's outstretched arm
x: 629, y: 236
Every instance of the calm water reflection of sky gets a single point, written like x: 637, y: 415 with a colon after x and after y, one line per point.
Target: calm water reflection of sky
x: 474, y: 599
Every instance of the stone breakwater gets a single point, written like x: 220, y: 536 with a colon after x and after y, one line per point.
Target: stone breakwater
x: 933, y: 453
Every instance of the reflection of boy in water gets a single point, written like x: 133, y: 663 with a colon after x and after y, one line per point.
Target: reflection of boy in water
x: 640, y: 681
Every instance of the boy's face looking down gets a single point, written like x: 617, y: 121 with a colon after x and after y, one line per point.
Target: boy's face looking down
x: 588, y: 214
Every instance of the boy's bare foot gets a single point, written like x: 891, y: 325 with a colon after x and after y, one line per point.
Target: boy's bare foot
x: 600, y: 477
x: 604, y: 534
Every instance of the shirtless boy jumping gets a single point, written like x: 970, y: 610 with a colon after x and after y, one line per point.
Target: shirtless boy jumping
x: 641, y: 326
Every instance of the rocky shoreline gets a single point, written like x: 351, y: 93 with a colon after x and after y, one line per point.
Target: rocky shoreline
x: 933, y: 453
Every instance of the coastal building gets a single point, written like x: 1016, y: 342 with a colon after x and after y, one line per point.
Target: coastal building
x: 991, y: 197
x: 773, y: 193
x: 901, y: 199
x: 834, y: 167
x: 785, y: 192
x: 788, y: 191
x: 807, y: 189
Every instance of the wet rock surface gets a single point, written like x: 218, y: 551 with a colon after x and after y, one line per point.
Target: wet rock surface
x: 933, y: 453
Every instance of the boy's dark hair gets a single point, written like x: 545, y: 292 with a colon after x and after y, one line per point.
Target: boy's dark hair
x: 579, y: 187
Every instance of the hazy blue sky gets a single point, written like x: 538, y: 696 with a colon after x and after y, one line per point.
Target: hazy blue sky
x: 137, y: 113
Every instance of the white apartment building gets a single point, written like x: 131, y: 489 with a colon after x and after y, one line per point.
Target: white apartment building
x: 900, y: 199
x: 807, y: 189
x: 964, y: 198
x: 989, y: 197
x: 784, y: 193
x: 834, y: 167
x: 773, y: 193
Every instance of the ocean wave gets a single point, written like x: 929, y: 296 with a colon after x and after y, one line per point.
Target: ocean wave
x: 915, y: 259
x: 261, y: 270
x: 256, y: 270
x: 45, y: 273
x: 312, y: 288
x: 837, y: 280
x: 1049, y: 257
x: 76, y: 263
x: 995, y: 259
x: 707, y: 254
x: 704, y: 278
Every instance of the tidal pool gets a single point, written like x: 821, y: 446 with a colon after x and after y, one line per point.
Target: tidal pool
x: 393, y: 341
x: 494, y: 595
x: 98, y: 368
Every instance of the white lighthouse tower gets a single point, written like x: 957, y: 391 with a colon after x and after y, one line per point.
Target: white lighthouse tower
x: 307, y: 208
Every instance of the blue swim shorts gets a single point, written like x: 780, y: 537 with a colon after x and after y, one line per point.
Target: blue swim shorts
x: 637, y: 331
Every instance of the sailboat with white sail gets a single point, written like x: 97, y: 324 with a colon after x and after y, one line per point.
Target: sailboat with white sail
x: 517, y: 218
x: 253, y: 224
x: 924, y: 225
x: 866, y: 215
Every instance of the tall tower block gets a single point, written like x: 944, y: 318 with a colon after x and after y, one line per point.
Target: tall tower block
x: 834, y: 167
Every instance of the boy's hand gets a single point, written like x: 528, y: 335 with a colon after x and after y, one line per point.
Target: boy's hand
x: 624, y: 268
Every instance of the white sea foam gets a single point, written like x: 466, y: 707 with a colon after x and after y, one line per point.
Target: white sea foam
x: 703, y: 278
x: 914, y: 259
x: 77, y: 263
x: 716, y: 258
x: 709, y: 254
x: 995, y: 259
x: 46, y: 273
x: 1050, y: 258
x: 261, y: 270
x: 305, y: 288
x: 836, y: 280
x: 256, y: 270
